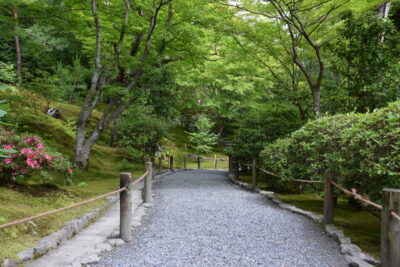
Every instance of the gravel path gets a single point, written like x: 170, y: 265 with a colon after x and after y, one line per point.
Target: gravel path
x: 201, y: 219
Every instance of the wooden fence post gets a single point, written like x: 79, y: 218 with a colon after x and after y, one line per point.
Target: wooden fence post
x: 184, y: 162
x: 198, y: 162
x: 160, y: 164
x: 148, y: 198
x: 171, y: 163
x: 328, y: 198
x: 125, y: 198
x: 215, y: 161
x: 235, y: 169
x: 229, y: 165
x: 390, y: 231
x: 254, y: 175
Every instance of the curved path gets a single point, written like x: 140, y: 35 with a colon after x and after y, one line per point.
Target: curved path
x: 201, y: 219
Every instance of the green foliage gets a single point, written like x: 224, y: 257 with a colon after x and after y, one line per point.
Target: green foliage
x: 364, y: 65
x: 362, y: 149
x: 7, y: 73
x: 260, y: 127
x: 141, y: 133
x: 203, y: 139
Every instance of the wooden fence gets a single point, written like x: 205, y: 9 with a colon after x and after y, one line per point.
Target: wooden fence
x: 126, y: 184
x: 390, y: 208
x: 186, y: 158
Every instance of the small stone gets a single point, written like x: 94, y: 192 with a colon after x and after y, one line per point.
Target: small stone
x: 45, y: 245
x: 148, y: 205
x: 115, y: 242
x: 357, y: 262
x: 114, y: 234
x: 370, y: 259
x: 90, y: 259
x: 103, y: 247
x: 275, y: 200
x: 9, y: 263
x: 62, y: 235
x: 350, y: 249
x: 26, y: 255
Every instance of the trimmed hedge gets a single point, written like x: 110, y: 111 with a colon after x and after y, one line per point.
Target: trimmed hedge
x: 362, y: 149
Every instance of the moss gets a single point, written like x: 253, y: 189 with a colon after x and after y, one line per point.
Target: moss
x: 361, y: 226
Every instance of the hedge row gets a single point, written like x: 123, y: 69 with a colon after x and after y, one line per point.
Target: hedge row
x: 362, y: 149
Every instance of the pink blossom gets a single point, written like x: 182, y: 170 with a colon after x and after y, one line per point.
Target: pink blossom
x: 40, y: 146
x: 8, y: 161
x: 47, y: 157
x: 24, y: 171
x: 8, y: 146
x: 69, y: 170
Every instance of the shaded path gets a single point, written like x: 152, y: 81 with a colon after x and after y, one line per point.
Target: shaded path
x: 201, y: 219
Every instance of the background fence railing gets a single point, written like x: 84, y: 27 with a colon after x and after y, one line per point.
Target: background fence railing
x: 390, y: 208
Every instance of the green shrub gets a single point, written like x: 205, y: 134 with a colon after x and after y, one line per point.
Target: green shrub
x: 362, y: 149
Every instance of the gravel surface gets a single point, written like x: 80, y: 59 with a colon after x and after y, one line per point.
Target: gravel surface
x: 201, y: 219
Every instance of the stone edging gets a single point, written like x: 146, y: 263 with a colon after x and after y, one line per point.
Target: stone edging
x: 49, y: 242
x: 70, y: 229
x: 352, y: 253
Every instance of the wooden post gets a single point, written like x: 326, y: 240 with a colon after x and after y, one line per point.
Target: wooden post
x: 215, y: 161
x: 254, y: 175
x: 328, y: 198
x: 390, y: 231
x: 171, y: 163
x: 153, y: 167
x: 198, y: 162
x: 160, y: 164
x: 148, y: 198
x: 184, y: 162
x: 125, y: 198
x: 229, y: 165
x: 235, y: 169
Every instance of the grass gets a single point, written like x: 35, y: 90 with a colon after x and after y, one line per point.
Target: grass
x: 361, y: 226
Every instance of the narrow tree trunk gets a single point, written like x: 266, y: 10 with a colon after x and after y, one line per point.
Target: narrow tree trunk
x: 17, y: 48
x: 316, y: 100
x: 384, y: 14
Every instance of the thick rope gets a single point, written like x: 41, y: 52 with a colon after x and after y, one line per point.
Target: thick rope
x: 2, y: 226
x: 295, y: 180
x: 357, y: 196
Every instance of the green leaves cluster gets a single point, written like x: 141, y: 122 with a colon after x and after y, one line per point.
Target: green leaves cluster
x: 202, y: 140
x: 362, y: 149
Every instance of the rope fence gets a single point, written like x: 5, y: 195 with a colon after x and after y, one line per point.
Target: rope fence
x: 17, y: 222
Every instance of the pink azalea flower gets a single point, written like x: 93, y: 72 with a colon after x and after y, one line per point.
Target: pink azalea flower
x: 40, y: 146
x: 24, y: 171
x: 8, y: 146
x: 69, y: 170
x: 8, y: 161
x: 47, y: 157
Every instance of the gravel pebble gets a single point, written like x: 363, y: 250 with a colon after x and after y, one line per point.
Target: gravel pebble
x: 201, y: 219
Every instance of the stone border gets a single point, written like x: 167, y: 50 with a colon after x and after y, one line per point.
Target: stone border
x: 49, y: 242
x: 72, y: 228
x: 352, y: 253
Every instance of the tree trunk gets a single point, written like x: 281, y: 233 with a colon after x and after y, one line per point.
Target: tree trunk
x: 384, y: 14
x: 316, y: 95
x: 17, y: 48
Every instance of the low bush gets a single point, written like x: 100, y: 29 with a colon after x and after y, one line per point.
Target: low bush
x: 362, y: 149
x: 31, y: 159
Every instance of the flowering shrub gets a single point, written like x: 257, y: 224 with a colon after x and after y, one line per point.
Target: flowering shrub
x: 31, y: 156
